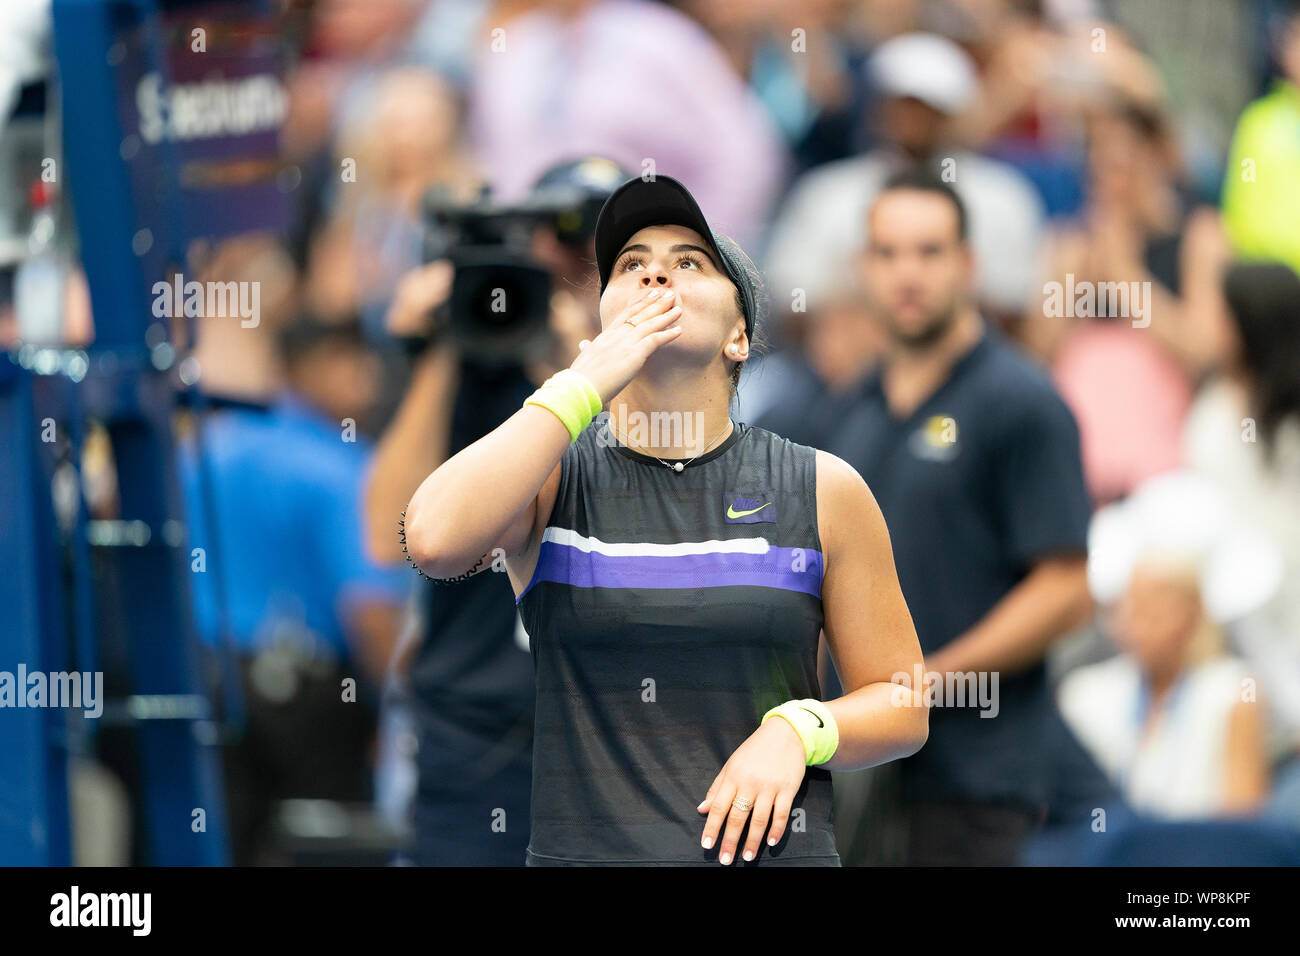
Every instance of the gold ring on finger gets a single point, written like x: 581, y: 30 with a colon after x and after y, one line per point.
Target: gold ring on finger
x: 629, y: 322
x: 740, y: 803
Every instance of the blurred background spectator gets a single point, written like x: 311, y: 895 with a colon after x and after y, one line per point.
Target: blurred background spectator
x: 271, y: 471
x: 1174, y: 719
x: 1126, y: 362
x: 974, y: 460
x: 408, y: 142
x: 922, y: 81
x: 1259, y: 206
x: 1243, y: 433
x: 807, y: 66
x: 640, y: 83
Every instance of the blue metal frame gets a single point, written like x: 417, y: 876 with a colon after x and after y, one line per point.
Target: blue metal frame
x: 34, y: 827
x: 178, y: 762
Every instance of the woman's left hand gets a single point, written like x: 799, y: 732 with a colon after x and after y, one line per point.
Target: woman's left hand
x: 766, y: 771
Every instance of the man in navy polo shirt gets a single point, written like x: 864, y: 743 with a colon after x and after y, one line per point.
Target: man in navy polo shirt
x: 975, y: 462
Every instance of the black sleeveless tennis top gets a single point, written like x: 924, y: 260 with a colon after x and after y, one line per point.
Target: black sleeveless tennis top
x: 668, y: 612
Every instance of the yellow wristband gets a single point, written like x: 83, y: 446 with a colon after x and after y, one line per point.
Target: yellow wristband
x: 571, y: 398
x: 812, y: 721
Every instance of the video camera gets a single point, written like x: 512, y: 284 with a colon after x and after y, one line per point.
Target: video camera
x: 499, y: 307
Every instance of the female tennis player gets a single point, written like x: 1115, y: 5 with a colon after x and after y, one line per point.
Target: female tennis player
x: 674, y: 593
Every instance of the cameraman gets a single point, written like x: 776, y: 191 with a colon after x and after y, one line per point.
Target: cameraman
x: 470, y: 680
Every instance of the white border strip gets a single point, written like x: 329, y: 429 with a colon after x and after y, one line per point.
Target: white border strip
x: 647, y: 549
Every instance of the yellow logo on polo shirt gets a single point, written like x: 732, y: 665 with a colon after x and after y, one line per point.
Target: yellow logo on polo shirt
x: 936, y: 440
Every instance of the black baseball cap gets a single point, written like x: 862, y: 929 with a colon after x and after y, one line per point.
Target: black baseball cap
x: 663, y: 201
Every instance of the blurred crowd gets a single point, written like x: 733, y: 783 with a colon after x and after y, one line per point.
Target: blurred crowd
x: 1146, y: 144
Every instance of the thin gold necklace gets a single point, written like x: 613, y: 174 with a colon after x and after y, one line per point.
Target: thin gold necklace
x: 677, y: 466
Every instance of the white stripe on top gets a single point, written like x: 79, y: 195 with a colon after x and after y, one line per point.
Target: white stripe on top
x: 647, y: 549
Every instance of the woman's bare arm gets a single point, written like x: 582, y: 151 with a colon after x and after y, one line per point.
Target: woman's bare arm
x: 412, y: 446
x: 1246, y: 774
x: 868, y: 627
x: 486, y: 496
x: 869, y: 631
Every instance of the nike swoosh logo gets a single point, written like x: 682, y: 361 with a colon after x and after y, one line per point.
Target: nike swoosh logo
x: 733, y: 513
x: 820, y: 722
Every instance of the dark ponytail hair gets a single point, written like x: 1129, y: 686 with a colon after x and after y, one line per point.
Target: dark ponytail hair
x: 1264, y: 300
x: 753, y: 278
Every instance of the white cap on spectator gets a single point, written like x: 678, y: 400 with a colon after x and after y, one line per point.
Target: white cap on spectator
x: 927, y: 67
x: 1183, y: 521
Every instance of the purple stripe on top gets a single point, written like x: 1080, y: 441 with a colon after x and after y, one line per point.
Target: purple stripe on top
x: 791, y: 569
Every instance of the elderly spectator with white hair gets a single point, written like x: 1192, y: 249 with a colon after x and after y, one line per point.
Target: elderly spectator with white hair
x: 1174, y: 719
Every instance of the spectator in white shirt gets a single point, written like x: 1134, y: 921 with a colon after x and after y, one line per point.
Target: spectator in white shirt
x: 923, y: 81
x: 1176, y: 722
